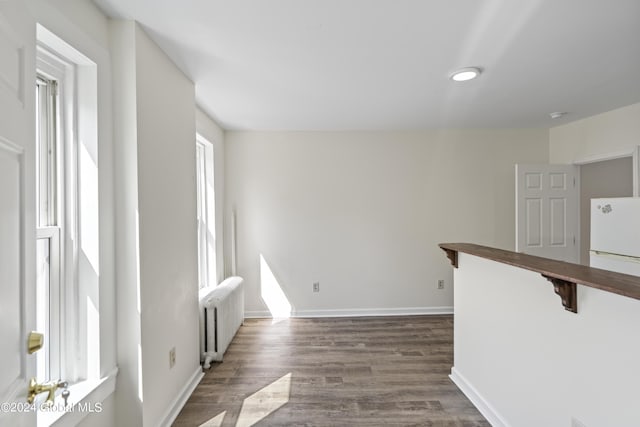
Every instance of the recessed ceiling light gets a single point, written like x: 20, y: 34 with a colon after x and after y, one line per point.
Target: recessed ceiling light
x: 557, y: 114
x: 464, y: 74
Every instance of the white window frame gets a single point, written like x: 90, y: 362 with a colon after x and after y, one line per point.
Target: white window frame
x: 72, y: 344
x: 47, y: 230
x: 57, y: 217
x: 205, y: 213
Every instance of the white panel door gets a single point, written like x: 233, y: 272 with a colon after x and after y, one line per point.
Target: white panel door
x: 17, y: 205
x: 547, y: 211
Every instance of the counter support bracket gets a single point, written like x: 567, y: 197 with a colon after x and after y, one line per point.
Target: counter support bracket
x: 452, y: 255
x: 567, y: 292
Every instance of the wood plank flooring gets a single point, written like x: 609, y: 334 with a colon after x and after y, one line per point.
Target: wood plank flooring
x: 334, y: 372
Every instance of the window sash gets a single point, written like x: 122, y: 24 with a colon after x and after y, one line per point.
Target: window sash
x: 55, y: 213
x: 47, y: 151
x: 48, y: 301
x: 201, y: 215
x: 206, y: 212
x: 48, y: 232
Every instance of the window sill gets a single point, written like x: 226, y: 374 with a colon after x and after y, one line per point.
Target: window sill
x: 86, y: 398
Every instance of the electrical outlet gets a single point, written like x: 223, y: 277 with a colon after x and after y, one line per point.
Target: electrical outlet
x: 172, y: 357
x: 316, y: 286
x: 441, y: 284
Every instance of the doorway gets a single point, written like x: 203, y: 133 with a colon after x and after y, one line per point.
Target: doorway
x: 613, y: 175
x: 607, y: 178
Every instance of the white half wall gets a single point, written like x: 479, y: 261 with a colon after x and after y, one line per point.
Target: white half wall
x: 527, y: 362
x: 362, y: 212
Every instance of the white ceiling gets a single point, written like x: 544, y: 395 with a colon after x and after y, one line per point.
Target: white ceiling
x: 384, y: 64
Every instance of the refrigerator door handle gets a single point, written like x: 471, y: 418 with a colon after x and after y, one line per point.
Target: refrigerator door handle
x: 619, y: 257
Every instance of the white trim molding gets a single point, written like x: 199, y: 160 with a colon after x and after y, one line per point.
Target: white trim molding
x: 596, y: 158
x: 485, y: 408
x: 181, y: 398
x: 359, y: 312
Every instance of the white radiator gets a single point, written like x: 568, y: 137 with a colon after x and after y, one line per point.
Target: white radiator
x: 221, y: 314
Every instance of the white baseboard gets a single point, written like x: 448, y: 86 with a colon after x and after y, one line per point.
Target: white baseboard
x: 180, y: 400
x: 358, y: 312
x: 485, y: 408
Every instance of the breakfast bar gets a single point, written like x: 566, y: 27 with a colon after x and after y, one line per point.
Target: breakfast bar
x: 545, y: 342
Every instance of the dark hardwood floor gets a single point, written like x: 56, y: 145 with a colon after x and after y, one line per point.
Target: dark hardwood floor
x: 334, y: 372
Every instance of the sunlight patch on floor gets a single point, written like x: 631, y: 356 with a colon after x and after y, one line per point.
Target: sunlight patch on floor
x: 215, y: 421
x: 272, y: 293
x: 265, y: 401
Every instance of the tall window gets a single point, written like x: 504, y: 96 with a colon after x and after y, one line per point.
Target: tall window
x: 67, y: 254
x: 205, y: 213
x: 49, y: 230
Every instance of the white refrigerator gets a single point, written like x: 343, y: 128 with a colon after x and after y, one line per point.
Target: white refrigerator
x: 615, y: 234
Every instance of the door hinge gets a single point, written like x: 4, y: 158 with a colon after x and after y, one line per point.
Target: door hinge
x: 574, y: 240
x: 574, y: 182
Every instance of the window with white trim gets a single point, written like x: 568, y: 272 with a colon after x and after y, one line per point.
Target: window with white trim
x: 48, y: 232
x: 205, y: 213
x: 67, y: 254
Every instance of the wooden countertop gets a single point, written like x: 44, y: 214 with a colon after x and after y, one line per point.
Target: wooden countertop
x: 560, y: 273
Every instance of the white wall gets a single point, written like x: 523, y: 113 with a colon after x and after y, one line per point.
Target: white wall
x: 362, y: 213
x: 536, y: 364
x: 128, y: 384
x: 158, y: 292
x: 167, y: 220
x: 616, y: 131
x: 210, y: 130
